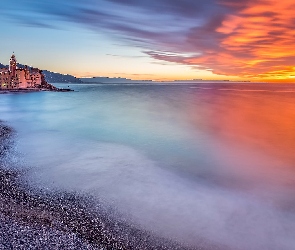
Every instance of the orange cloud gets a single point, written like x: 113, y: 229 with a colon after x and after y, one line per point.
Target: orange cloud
x: 252, y: 40
x: 264, y: 31
x: 249, y: 39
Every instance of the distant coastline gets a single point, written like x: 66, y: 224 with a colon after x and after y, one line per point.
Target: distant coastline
x: 55, y: 77
x: 121, y: 80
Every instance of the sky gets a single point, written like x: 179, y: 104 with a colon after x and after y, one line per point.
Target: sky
x: 153, y: 39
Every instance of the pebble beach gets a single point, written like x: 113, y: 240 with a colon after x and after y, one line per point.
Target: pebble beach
x: 31, y: 219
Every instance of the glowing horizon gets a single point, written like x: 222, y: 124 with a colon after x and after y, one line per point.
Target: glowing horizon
x: 210, y: 40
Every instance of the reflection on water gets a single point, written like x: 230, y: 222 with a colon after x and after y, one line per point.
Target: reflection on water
x: 263, y: 121
x: 199, y: 163
x: 258, y: 129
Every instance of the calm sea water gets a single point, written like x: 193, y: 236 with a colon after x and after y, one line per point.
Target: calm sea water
x: 197, y: 163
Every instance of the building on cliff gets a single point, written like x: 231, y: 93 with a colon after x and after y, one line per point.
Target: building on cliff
x: 22, y: 78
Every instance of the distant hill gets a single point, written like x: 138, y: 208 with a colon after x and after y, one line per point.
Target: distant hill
x: 113, y: 80
x: 52, y: 77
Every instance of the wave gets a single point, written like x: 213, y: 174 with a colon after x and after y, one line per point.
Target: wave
x: 170, y: 205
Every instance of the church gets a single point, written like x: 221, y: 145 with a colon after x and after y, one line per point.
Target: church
x: 20, y: 78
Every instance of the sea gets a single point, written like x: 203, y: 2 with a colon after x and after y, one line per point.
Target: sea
x: 197, y: 162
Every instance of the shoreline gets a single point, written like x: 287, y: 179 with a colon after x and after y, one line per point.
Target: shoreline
x: 60, y: 220
x: 7, y: 91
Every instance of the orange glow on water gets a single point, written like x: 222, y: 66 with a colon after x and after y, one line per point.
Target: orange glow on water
x: 259, y: 119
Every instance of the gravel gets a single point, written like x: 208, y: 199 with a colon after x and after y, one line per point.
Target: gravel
x: 38, y: 219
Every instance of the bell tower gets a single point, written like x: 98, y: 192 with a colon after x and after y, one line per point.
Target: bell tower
x: 27, y: 73
x: 12, y: 65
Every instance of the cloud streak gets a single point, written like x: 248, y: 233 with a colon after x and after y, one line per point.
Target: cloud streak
x: 251, y: 39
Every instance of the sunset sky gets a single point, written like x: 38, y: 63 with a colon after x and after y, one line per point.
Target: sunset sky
x: 153, y: 39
